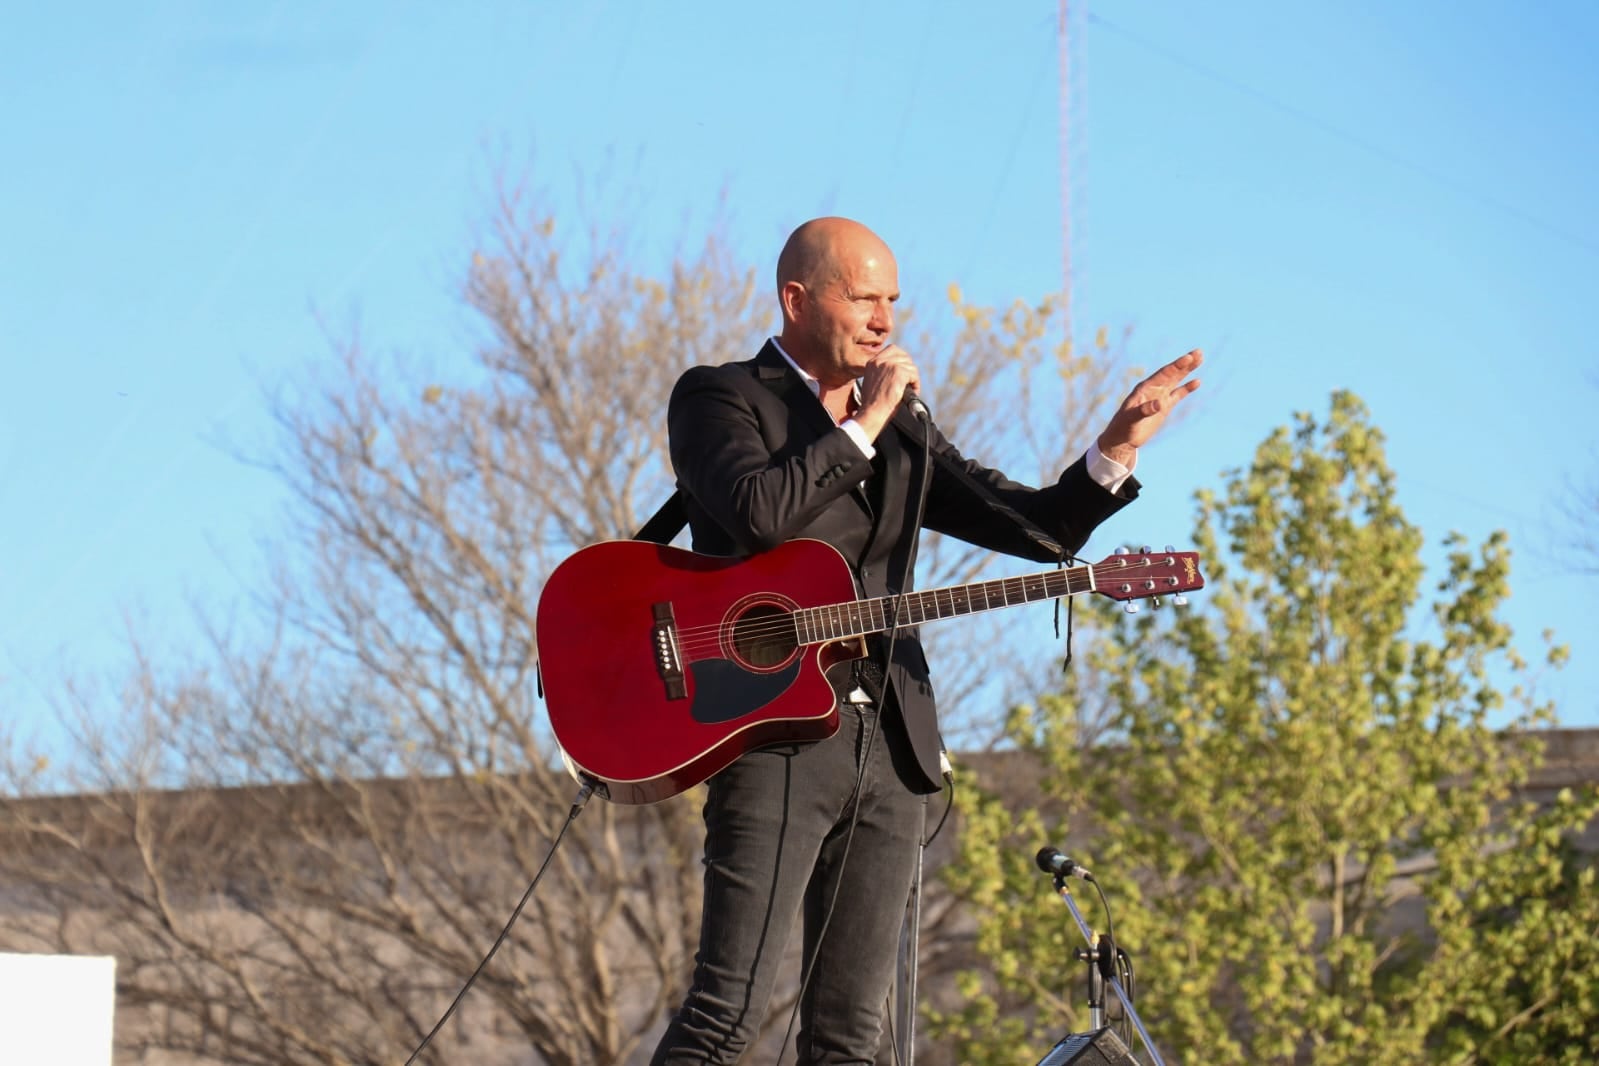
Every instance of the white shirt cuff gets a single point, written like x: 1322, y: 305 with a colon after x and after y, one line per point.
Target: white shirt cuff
x: 862, y: 441
x: 1108, y: 472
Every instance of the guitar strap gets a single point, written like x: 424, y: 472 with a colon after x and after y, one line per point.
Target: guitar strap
x: 667, y: 521
x: 670, y: 518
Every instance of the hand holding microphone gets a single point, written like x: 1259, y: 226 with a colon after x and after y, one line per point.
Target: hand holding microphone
x: 891, y: 378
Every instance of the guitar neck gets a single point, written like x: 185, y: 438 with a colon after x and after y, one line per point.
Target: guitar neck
x: 819, y: 625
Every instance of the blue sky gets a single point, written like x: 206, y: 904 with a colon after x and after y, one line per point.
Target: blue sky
x: 1392, y: 198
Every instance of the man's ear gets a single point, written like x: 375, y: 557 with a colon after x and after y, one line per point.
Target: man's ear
x: 794, y: 299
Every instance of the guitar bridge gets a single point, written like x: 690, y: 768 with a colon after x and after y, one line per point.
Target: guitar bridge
x: 668, y: 659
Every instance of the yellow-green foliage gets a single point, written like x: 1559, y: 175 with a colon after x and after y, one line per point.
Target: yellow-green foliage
x: 1306, y: 818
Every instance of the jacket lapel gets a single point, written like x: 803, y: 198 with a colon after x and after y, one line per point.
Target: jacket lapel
x: 773, y: 371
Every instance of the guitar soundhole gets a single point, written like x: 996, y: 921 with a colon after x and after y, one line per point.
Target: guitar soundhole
x: 763, y: 637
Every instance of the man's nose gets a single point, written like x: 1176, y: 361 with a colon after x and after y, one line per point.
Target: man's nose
x: 883, y: 316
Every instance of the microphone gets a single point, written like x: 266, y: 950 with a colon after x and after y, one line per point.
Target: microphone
x: 913, y: 400
x: 1051, y: 861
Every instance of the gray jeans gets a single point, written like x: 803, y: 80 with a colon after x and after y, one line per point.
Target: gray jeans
x: 775, y: 828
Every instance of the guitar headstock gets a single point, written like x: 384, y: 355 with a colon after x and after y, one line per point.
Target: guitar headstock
x: 1144, y: 574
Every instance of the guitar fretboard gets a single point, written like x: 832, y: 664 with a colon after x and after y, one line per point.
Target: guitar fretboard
x: 818, y: 625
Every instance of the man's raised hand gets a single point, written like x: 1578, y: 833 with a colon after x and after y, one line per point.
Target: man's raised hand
x: 1144, y: 411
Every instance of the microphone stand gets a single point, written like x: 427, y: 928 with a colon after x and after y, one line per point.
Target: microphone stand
x: 1100, y: 955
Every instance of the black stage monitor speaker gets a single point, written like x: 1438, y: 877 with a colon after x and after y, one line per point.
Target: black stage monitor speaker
x: 1098, y: 1048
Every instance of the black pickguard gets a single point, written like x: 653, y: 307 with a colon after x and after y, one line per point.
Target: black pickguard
x: 723, y: 690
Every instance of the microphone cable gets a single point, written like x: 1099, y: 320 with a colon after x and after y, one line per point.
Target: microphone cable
x: 571, y: 816
x: 1111, y: 967
x: 1121, y: 966
x: 888, y: 1008
x: 949, y: 807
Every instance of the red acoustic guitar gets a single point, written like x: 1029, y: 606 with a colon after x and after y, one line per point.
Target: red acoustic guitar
x: 661, y: 666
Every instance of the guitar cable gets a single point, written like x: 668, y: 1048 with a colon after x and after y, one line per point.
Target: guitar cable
x: 888, y: 998
x: 871, y: 740
x: 582, y: 799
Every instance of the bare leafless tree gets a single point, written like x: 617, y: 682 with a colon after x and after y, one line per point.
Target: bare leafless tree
x: 302, y: 836
x: 1574, y: 529
x: 1579, y: 514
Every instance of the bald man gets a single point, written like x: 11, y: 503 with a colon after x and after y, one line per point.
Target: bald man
x: 815, y: 437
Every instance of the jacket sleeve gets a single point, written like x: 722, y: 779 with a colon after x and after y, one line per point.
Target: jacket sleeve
x: 736, y: 451
x: 1069, y: 510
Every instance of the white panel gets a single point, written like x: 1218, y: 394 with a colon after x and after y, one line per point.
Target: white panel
x: 55, y: 1010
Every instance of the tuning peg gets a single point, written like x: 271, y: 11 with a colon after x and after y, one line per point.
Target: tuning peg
x: 1169, y: 548
x: 1144, y: 550
x: 1131, y: 608
x: 1121, y: 549
x: 1154, y: 601
x: 1179, y: 600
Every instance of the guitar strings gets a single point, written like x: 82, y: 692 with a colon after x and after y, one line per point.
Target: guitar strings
x: 867, y: 610
x: 697, y: 641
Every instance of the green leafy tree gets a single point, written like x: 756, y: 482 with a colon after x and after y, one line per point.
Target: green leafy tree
x: 1318, y: 843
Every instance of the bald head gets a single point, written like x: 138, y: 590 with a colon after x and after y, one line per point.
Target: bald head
x: 837, y: 283
x: 821, y: 250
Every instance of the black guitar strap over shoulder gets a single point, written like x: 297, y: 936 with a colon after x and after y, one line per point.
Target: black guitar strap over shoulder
x: 667, y: 522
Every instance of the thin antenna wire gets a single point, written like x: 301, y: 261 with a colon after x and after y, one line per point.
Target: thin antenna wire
x: 1063, y: 102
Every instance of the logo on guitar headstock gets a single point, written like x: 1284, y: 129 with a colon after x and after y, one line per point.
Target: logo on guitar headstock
x: 1190, y: 568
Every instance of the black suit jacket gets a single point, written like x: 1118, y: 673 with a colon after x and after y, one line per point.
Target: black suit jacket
x: 761, y: 462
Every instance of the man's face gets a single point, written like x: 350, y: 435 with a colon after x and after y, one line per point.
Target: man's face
x: 847, y: 320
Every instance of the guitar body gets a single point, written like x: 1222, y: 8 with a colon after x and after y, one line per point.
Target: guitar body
x: 661, y: 666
